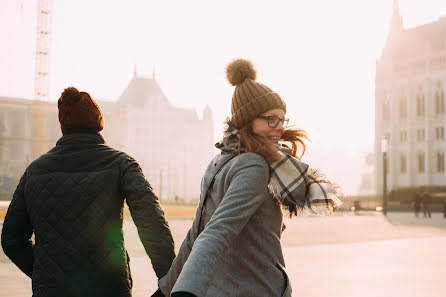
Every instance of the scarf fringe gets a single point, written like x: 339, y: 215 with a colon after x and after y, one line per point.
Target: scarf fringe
x: 317, y: 185
x: 337, y: 196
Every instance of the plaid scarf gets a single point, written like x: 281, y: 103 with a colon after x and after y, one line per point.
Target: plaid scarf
x: 299, y: 189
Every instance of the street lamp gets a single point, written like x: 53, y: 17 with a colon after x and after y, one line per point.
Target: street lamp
x: 384, y: 151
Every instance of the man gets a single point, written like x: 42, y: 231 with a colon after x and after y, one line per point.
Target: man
x: 417, y: 202
x: 72, y: 198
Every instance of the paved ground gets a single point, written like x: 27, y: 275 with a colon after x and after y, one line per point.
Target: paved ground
x: 344, y: 255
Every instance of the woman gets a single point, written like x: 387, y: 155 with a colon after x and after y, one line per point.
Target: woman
x: 233, y: 247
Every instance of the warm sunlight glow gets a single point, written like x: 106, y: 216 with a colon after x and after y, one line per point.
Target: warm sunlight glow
x: 320, y: 56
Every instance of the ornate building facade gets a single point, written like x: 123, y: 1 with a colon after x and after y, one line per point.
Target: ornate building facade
x: 410, y: 105
x: 172, y: 145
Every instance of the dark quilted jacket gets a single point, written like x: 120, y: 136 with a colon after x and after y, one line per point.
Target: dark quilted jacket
x: 72, y: 198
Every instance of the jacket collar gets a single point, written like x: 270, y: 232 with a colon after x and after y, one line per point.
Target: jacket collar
x: 81, y: 138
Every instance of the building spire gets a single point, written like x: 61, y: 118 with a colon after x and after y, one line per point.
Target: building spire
x: 396, y: 7
x: 135, y: 71
x: 154, y: 73
x: 396, y: 22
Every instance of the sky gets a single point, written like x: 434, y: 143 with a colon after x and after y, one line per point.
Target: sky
x: 319, y: 55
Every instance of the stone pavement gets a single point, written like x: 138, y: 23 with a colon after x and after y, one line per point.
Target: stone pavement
x: 344, y: 255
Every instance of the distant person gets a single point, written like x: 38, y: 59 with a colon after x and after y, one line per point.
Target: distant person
x: 72, y: 198
x: 444, y: 208
x: 233, y: 247
x: 356, y: 206
x: 426, y: 201
x: 417, y: 202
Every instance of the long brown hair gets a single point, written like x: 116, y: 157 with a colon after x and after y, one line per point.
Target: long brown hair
x: 260, y: 145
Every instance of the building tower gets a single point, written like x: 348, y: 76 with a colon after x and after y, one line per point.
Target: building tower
x: 43, y: 46
x: 409, y: 109
x: 396, y: 22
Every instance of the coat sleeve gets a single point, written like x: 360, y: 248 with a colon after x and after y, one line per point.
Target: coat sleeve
x: 167, y: 282
x: 247, y: 190
x: 148, y: 217
x: 17, y: 231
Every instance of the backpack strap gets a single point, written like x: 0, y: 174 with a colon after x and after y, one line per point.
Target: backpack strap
x: 211, y: 183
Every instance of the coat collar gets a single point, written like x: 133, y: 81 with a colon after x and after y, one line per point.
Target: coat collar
x: 81, y: 138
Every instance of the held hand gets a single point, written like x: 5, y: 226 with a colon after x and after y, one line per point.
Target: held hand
x: 183, y: 294
x: 158, y: 293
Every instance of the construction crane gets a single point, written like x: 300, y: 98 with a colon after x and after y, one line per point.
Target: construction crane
x: 43, y: 46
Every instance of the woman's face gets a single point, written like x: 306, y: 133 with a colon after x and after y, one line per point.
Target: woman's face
x: 261, y: 127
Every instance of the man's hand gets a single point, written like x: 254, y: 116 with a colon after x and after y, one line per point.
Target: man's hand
x: 158, y: 293
x: 183, y: 294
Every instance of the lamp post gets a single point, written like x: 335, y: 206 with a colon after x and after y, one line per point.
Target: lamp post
x: 384, y: 152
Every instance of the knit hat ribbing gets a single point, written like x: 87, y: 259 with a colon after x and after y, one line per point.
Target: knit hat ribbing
x: 250, y: 98
x: 79, y: 110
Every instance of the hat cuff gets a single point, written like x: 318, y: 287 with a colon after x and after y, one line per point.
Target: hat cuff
x: 255, y: 107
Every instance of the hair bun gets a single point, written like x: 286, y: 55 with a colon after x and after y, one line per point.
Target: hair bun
x: 70, y: 96
x: 238, y: 70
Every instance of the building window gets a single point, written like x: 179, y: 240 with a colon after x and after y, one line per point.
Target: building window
x: 437, y: 44
x: 403, y: 108
x: 403, y: 163
x: 439, y: 132
x: 403, y: 136
x: 421, y: 162
x: 386, y: 110
x: 420, y: 134
x: 440, y: 161
x: 386, y: 136
x: 420, y: 105
x: 437, y: 63
x: 439, y: 101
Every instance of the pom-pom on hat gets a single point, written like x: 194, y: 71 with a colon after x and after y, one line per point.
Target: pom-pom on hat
x: 79, y: 110
x: 250, y: 98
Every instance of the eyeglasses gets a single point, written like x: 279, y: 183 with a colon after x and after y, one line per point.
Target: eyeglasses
x: 274, y: 121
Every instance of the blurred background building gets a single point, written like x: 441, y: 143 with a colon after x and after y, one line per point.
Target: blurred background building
x: 28, y: 128
x: 409, y: 106
x: 172, y: 145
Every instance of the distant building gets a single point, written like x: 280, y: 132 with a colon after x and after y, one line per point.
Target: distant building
x: 172, y: 145
x: 409, y: 105
x: 27, y: 129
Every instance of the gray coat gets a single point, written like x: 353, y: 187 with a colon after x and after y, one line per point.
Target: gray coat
x: 238, y: 253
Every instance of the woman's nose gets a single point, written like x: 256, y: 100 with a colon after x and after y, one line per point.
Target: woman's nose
x: 280, y: 127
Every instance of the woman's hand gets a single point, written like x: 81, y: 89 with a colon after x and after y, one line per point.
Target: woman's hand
x: 158, y: 293
x: 183, y: 294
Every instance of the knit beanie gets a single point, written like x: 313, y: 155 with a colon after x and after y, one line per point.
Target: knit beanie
x: 250, y: 98
x: 79, y: 110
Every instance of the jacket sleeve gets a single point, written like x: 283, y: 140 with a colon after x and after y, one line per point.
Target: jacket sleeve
x: 167, y: 282
x: 17, y: 231
x: 149, y: 219
x: 247, y: 190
